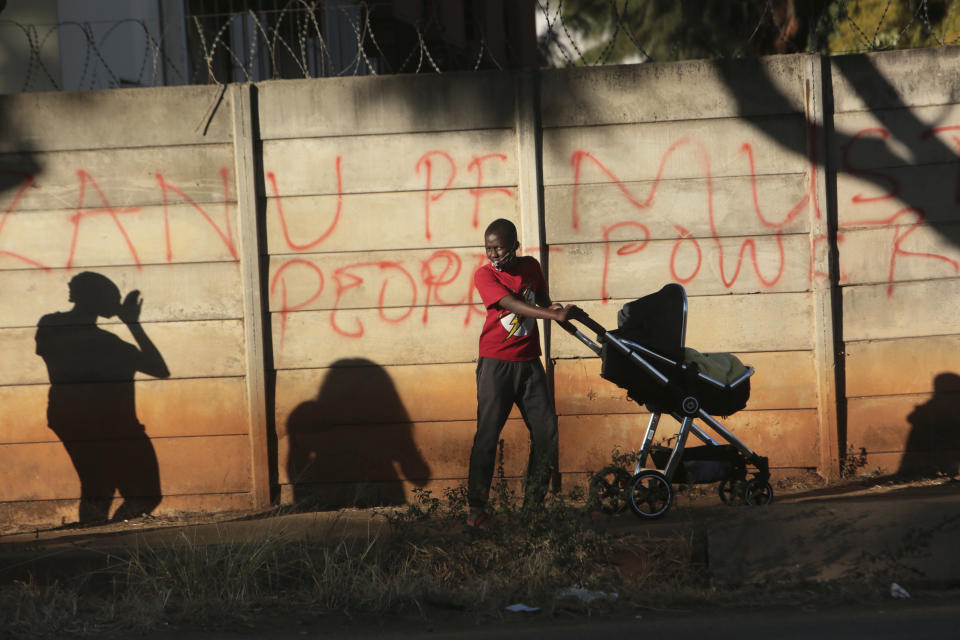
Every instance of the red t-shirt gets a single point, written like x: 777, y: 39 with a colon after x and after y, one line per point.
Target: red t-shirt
x: 505, y: 336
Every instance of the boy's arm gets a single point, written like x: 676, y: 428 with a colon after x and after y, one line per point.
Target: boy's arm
x: 150, y: 361
x: 517, y: 305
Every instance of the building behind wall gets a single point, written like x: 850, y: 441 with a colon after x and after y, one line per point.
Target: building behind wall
x: 105, y: 44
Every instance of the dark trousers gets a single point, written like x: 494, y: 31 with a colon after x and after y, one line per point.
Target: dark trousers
x: 500, y: 385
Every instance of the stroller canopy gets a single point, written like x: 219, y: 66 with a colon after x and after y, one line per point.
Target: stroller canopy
x: 657, y: 321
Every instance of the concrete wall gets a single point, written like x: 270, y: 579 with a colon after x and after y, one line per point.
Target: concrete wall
x: 304, y: 250
x: 896, y: 149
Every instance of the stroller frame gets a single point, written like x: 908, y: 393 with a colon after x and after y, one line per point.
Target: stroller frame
x: 650, y: 491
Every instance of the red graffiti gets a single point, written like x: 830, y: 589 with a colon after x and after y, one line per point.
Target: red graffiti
x: 480, y: 259
x: 684, y: 236
x: 892, y: 183
x: 480, y: 191
x: 747, y: 148
x: 272, y: 179
x: 105, y: 210
x: 576, y: 160
x: 898, y: 238
x: 101, y: 206
x: 225, y: 236
x: 625, y: 250
x: 426, y: 164
x: 27, y: 183
x: 432, y: 192
x: 285, y: 307
x: 747, y: 246
x: 437, y: 273
x: 346, y: 280
x: 451, y: 266
x: 899, y: 235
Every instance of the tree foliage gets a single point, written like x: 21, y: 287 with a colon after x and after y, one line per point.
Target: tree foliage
x: 611, y: 31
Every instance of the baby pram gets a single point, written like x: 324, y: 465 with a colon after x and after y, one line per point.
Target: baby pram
x: 646, y: 356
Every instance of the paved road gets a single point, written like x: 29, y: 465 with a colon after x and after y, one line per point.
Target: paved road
x: 896, y: 620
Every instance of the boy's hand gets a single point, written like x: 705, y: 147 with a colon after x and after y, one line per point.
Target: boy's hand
x: 564, y: 312
x: 130, y: 309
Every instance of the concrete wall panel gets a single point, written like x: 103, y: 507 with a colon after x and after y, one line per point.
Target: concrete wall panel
x: 385, y: 104
x: 901, y: 366
x: 728, y: 265
x: 788, y: 438
x: 315, y: 339
x: 202, y: 291
x: 704, y: 208
x: 894, y: 196
x: 672, y: 150
x: 361, y: 392
x: 167, y: 408
x: 190, y: 350
x: 782, y: 381
x: 880, y: 424
x: 925, y: 308
x: 456, y: 218
x: 732, y: 323
x: 900, y: 253
x: 116, y: 118
x: 375, y: 279
x: 438, y: 450
x: 403, y: 162
x: 909, y: 136
x: 92, y: 181
x: 891, y: 79
x: 43, y: 471
x: 147, y: 235
x: 906, y: 432
x: 609, y: 94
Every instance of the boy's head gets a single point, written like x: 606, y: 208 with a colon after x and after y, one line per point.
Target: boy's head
x: 94, y: 293
x: 500, y: 242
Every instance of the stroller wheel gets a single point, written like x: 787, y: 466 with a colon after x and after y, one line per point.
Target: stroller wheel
x: 758, y: 494
x: 732, y: 491
x: 650, y: 494
x: 609, y: 489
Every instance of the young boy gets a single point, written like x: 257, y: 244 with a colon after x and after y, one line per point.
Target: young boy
x: 509, y: 371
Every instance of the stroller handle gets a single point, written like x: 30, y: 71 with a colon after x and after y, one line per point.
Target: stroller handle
x: 581, y: 316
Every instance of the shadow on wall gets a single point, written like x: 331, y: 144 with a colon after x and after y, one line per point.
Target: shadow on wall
x: 353, y: 444
x: 18, y: 162
x: 91, y: 404
x: 934, y: 440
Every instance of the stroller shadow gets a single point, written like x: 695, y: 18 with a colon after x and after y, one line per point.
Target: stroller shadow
x: 353, y: 445
x: 91, y: 403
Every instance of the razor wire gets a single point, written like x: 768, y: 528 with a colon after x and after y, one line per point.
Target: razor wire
x: 329, y: 38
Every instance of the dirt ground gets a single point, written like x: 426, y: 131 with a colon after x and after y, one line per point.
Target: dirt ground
x: 782, y: 560
x: 690, y: 504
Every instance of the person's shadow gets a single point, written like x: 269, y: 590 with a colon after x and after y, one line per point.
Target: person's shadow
x: 352, y: 445
x: 91, y: 404
x: 934, y: 440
